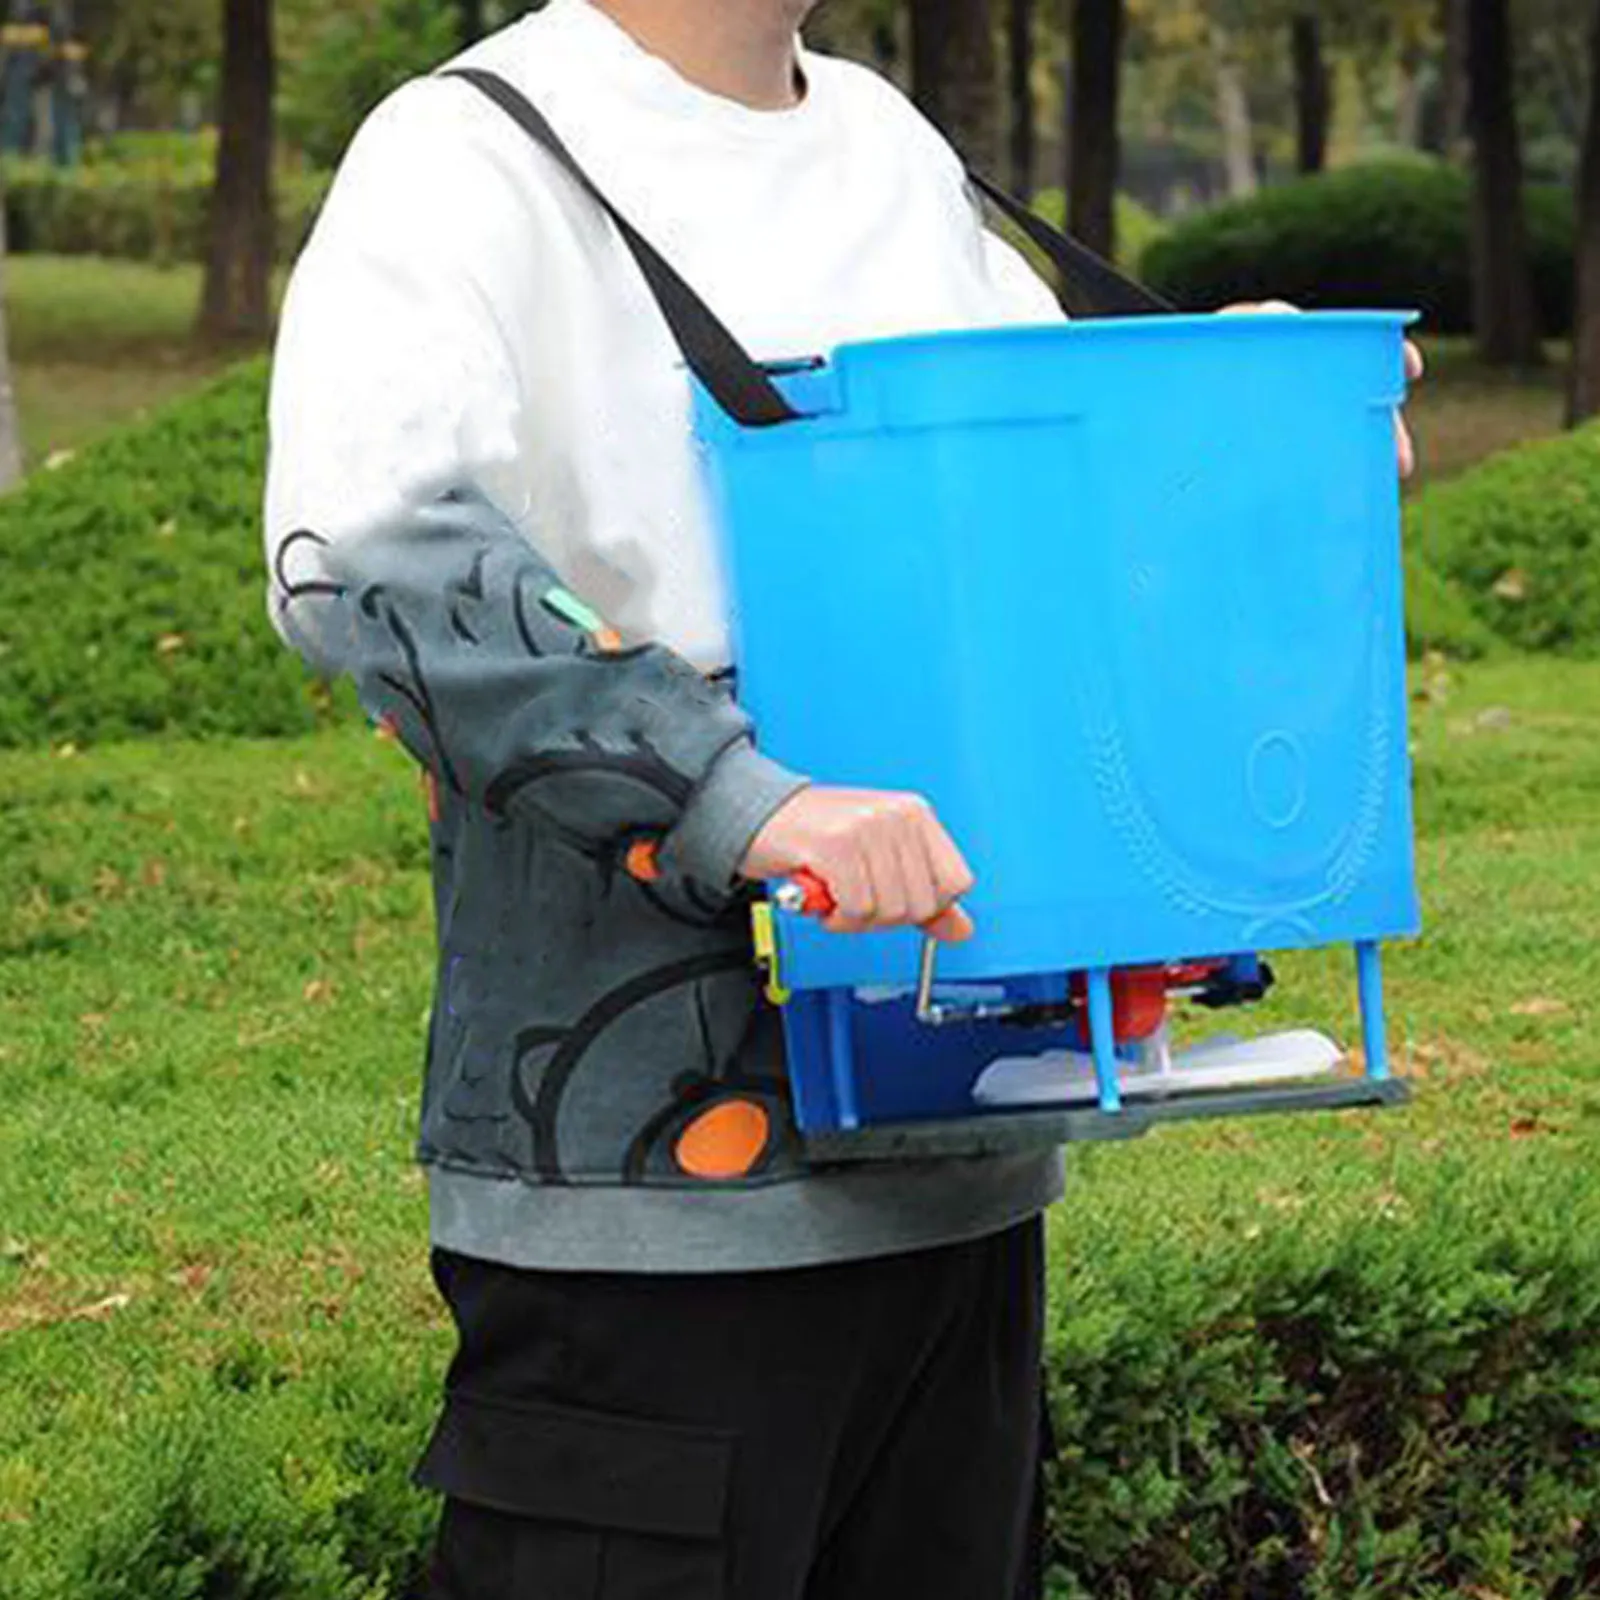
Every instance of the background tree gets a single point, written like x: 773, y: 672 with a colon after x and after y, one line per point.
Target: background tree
x: 339, y: 61
x: 955, y: 73
x: 1020, y: 96
x: 1313, y: 96
x: 472, y: 22
x: 862, y: 30
x: 1505, y: 312
x: 1446, y: 128
x: 152, y: 62
x: 1094, y: 129
x: 236, y: 301
x: 1233, y: 112
x: 1416, y: 46
x: 1585, y: 394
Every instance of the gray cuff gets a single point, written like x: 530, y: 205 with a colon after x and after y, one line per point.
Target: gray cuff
x: 734, y: 801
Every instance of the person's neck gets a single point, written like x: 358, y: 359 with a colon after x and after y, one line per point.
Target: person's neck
x: 742, y: 51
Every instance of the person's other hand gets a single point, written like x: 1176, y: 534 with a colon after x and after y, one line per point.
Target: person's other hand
x: 885, y: 858
x: 1415, y: 367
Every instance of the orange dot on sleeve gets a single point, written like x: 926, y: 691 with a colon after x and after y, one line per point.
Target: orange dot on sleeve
x: 643, y: 863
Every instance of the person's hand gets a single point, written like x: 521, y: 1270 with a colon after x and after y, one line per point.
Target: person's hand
x: 885, y: 858
x: 1415, y: 367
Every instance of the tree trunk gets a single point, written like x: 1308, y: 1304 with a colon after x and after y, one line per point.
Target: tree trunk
x: 1313, y: 92
x: 1024, y: 148
x: 1584, y: 400
x: 1093, y: 136
x: 954, y: 73
x: 1233, y: 117
x: 1505, y: 313
x: 1409, y: 97
x: 885, y: 48
x: 471, y: 24
x: 1454, y: 90
x: 236, y: 302
x: 10, y: 428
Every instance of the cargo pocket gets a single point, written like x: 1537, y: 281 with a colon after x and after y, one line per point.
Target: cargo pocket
x: 548, y: 1502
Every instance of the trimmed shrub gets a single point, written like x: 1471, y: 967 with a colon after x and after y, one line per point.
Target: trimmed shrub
x: 1397, y: 1404
x: 1389, y: 235
x: 1439, y: 618
x: 137, y: 209
x: 1519, y: 540
x: 132, y: 587
x: 249, y: 1481
x: 1399, y: 1401
x: 167, y: 147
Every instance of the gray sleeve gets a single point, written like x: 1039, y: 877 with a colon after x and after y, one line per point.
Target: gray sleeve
x: 517, y: 699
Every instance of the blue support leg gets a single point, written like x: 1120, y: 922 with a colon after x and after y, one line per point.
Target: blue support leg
x: 841, y: 1052
x: 1103, y: 1039
x: 1374, y: 1032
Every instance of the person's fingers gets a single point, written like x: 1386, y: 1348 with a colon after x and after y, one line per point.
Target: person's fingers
x: 849, y: 882
x: 923, y: 901
x: 951, y: 926
x: 1416, y: 366
x: 891, y: 897
x: 952, y: 877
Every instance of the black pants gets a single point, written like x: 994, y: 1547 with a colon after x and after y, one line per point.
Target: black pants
x: 852, y: 1432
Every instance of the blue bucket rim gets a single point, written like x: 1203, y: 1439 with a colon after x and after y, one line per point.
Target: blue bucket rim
x: 1228, y: 326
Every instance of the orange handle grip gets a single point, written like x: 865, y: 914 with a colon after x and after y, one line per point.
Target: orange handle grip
x: 806, y: 895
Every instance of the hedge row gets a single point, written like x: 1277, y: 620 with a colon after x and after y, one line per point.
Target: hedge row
x: 131, y: 587
x: 1518, y: 540
x: 1388, y: 235
x: 137, y: 210
x: 1403, y: 1403
x: 1397, y: 1403
x: 132, y: 592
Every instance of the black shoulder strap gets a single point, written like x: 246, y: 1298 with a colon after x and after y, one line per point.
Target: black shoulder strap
x: 1093, y: 287
x: 717, y: 359
x: 734, y: 379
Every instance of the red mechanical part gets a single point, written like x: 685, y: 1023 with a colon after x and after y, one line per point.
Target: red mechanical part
x: 1186, y: 974
x: 1138, y: 1001
x: 1139, y: 994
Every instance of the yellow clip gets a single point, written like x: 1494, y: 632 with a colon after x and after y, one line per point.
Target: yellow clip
x: 766, y: 941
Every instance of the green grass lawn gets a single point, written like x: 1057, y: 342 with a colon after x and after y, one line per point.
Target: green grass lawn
x: 214, y: 966
x: 95, y: 343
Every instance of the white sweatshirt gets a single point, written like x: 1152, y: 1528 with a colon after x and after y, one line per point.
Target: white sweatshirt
x: 464, y: 313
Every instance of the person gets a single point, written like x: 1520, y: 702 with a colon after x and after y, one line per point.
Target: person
x: 690, y: 1362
